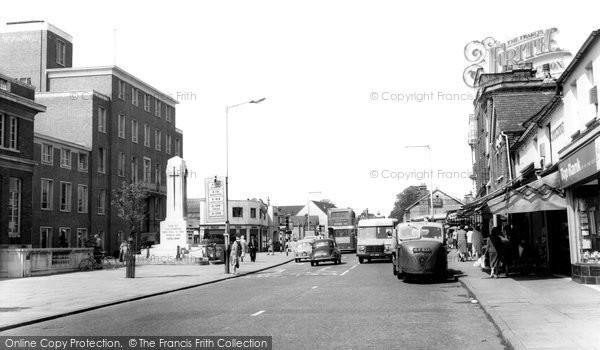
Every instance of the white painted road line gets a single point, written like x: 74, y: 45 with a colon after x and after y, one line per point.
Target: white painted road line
x: 258, y: 313
x: 353, y: 266
x: 345, y: 272
x: 323, y: 269
x: 315, y: 287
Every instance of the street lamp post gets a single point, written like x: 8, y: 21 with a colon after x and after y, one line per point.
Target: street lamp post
x: 430, y: 178
x: 226, y: 235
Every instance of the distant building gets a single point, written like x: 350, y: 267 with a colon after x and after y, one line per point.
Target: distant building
x: 442, y: 204
x: 17, y: 114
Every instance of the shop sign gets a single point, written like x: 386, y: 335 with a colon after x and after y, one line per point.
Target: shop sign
x: 581, y: 164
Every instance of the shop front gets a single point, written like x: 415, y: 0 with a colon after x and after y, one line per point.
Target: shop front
x: 579, y: 173
x: 534, y: 217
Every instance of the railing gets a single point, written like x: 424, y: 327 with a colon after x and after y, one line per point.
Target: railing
x: 25, y: 262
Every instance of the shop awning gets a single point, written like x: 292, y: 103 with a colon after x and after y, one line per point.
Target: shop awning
x: 540, y: 195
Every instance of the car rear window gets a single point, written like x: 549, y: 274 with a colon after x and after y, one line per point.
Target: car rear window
x: 322, y: 244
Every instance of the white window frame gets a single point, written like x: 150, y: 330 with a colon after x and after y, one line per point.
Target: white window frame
x: 147, y: 173
x: 50, y: 194
x: 101, y: 119
x: 13, y: 136
x: 157, y: 139
x: 61, y: 52
x: 2, y: 119
x: 147, y: 130
x: 82, y: 235
x: 47, y: 158
x: 178, y: 147
x: 101, y: 202
x: 46, y: 231
x: 134, y: 130
x: 147, y: 102
x: 14, y: 207
x: 121, y: 89
x: 65, y: 202
x: 121, y: 126
x: 135, y: 97
x: 65, y: 158
x: 157, y: 108
x: 168, y: 143
x: 83, y: 166
x: 82, y: 197
x: 67, y: 235
x: 158, y: 174
x: 167, y: 113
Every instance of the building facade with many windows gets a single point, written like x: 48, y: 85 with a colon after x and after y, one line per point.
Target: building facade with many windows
x: 17, y: 113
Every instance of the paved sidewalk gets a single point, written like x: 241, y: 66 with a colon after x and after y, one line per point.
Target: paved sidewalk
x: 537, y: 312
x: 32, y: 299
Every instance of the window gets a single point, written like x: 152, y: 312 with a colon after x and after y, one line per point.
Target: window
x: 65, y: 196
x: 134, y: 131
x: 121, y: 126
x: 101, y: 160
x: 157, y: 107
x: 147, y: 176
x: 121, y: 88
x: 61, y: 52
x: 238, y: 212
x: 178, y: 147
x: 47, y: 194
x: 253, y: 213
x: 64, y: 237
x: 12, y: 140
x: 65, y: 158
x: 3, y: 84
x: 82, y: 162
x: 134, y: 169
x: 146, y: 135
x: 158, y: 174
x: 1, y: 130
x: 101, y: 202
x: 101, y: 119
x: 168, y: 143
x: 26, y: 80
x: 82, y: 199
x: 45, y: 237
x: 121, y: 164
x: 47, y: 151
x: 14, y: 207
x: 135, y: 97
x: 81, y: 237
x: 147, y: 102
x: 157, y: 139
x: 168, y: 113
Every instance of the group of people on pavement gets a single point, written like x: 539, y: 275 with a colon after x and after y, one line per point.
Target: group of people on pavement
x: 468, y: 241
x: 239, y: 248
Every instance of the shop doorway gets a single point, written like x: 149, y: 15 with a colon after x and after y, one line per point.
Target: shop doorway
x: 558, y: 242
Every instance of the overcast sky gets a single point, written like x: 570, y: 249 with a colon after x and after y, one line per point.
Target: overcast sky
x: 324, y: 68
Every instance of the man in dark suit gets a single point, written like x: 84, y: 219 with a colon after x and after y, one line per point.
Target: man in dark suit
x: 253, y: 247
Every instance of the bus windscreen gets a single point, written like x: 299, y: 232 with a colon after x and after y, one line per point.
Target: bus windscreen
x: 380, y: 232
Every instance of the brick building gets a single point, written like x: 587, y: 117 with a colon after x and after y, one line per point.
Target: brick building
x: 128, y: 126
x: 17, y: 113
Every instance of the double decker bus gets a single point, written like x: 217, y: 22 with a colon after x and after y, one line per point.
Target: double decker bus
x: 375, y: 239
x: 342, y: 228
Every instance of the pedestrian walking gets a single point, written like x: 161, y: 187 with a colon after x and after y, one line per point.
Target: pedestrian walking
x: 236, y: 252
x: 123, y: 252
x: 494, y: 247
x: 477, y: 242
x: 469, y: 242
x: 244, y: 248
x: 270, y: 247
x: 253, y: 247
x: 461, y: 237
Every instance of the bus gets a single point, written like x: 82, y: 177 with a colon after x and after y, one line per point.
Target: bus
x: 375, y: 239
x: 342, y: 228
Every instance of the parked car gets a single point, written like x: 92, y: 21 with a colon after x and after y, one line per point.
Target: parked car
x: 303, y: 250
x: 325, y: 250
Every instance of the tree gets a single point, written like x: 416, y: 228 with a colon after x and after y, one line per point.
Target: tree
x: 404, y: 199
x: 130, y: 202
x: 328, y: 201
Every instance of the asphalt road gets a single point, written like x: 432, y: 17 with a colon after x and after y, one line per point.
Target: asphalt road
x: 349, y: 306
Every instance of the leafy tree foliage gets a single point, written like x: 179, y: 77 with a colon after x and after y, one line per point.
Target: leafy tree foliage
x: 130, y: 202
x: 404, y: 199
